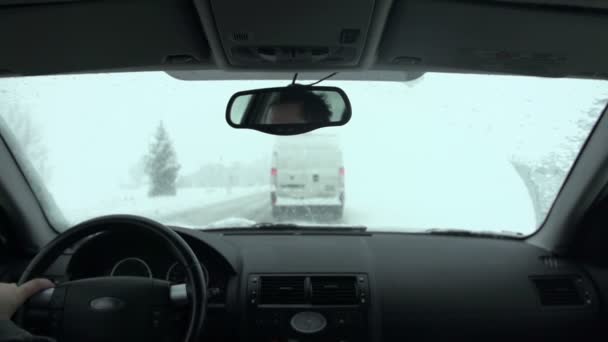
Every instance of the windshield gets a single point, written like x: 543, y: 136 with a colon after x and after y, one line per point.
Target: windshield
x: 445, y: 151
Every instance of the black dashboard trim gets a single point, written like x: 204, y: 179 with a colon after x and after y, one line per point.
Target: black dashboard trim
x: 420, y: 285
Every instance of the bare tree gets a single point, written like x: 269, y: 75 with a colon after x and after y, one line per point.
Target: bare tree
x: 29, y: 137
x: 544, y: 177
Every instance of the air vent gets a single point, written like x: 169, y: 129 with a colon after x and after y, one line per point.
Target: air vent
x: 334, y: 290
x: 558, y: 291
x: 551, y: 261
x: 240, y: 36
x: 282, y: 290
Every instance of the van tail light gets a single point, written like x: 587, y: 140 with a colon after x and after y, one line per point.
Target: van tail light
x: 342, y: 171
x: 273, y: 176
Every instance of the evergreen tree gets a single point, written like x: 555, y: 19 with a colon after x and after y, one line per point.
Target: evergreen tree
x: 161, y: 164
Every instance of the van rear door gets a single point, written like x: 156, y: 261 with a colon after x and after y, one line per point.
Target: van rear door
x: 308, y: 172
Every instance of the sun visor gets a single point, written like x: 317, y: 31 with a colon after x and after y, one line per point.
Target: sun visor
x: 596, y: 4
x: 493, y: 38
x: 279, y: 33
x: 32, y: 2
x: 87, y: 36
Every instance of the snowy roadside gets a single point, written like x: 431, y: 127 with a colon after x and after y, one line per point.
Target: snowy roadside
x: 137, y: 202
x: 440, y: 192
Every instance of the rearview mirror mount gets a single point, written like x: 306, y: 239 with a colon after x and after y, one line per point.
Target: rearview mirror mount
x: 290, y: 110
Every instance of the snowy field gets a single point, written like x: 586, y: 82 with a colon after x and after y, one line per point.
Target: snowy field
x: 137, y: 202
x: 439, y: 192
x: 438, y: 189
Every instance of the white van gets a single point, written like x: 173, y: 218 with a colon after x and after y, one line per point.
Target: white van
x: 307, y: 174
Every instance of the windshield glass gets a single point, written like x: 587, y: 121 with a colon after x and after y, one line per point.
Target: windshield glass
x: 445, y: 151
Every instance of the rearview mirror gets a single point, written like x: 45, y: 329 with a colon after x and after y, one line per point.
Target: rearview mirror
x: 288, y: 110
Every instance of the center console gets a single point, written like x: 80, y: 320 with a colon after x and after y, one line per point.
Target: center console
x: 308, y: 307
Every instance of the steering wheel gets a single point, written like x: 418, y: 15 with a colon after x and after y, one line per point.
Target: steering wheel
x: 104, y: 309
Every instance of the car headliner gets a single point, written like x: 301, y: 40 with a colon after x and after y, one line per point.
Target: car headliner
x: 551, y: 38
x: 525, y: 37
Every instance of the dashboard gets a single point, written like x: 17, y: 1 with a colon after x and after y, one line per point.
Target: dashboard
x: 363, y: 286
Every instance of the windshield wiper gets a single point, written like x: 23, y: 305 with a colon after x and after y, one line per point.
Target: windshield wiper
x: 275, y: 226
x: 292, y: 227
x: 502, y: 234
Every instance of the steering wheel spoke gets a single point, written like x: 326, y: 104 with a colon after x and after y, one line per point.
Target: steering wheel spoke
x: 117, y: 309
x: 44, y: 311
x: 178, y: 294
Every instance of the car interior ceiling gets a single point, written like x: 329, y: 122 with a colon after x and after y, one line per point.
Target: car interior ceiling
x: 551, y: 285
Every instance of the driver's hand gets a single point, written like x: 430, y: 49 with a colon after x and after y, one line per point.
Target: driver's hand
x: 13, y: 296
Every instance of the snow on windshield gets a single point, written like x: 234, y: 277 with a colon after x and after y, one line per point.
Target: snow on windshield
x: 475, y: 152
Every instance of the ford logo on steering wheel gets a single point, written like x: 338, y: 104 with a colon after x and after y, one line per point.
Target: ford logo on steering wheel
x: 107, y: 304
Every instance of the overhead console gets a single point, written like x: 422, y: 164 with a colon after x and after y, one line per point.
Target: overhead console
x: 277, y: 33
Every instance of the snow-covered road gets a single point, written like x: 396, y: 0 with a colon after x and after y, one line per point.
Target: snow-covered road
x: 487, y: 199
x: 434, y: 194
x: 137, y: 202
x: 375, y: 210
x: 253, y: 207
